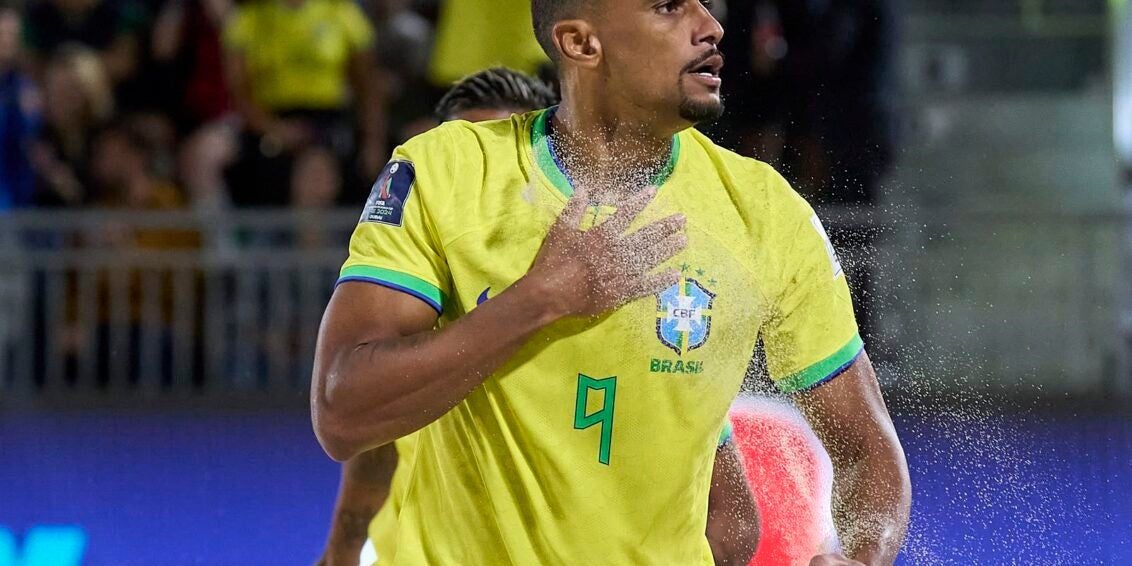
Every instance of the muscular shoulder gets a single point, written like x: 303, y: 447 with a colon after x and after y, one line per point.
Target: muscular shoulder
x: 464, y: 143
x: 456, y: 162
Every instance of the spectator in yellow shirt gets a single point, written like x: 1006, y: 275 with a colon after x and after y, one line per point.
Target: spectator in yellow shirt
x: 297, y: 69
x: 474, y: 35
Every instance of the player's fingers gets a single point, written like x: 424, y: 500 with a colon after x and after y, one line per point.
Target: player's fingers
x: 656, y: 232
x: 651, y: 256
x: 628, y: 210
x: 576, y: 208
x: 651, y: 284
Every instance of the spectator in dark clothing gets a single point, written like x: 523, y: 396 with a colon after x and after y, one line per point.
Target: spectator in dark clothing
x: 404, y: 46
x: 78, y: 100
x: 839, y: 72
x: 855, y: 99
x: 844, y: 121
x: 187, y: 46
x: 19, y: 118
x: 404, y: 37
x: 125, y: 165
x: 110, y: 28
x: 188, y: 51
x: 299, y: 71
x: 814, y: 78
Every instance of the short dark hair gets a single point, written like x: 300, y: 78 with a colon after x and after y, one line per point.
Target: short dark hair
x: 496, y: 88
x: 546, y: 13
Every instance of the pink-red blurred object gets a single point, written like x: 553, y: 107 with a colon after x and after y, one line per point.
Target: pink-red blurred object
x: 791, y: 478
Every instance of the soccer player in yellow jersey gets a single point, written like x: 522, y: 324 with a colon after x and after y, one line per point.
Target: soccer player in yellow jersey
x: 564, y: 304
x: 373, y: 482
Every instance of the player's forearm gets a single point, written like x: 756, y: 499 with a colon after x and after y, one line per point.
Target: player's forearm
x: 872, y: 500
x: 375, y: 392
x: 363, y: 490
x: 348, y: 535
x: 871, y: 490
x: 355, y: 508
x: 733, y: 518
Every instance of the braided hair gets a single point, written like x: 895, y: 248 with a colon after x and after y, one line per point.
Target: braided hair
x: 496, y: 88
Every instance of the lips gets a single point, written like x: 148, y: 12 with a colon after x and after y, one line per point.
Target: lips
x: 706, y: 69
x: 709, y: 65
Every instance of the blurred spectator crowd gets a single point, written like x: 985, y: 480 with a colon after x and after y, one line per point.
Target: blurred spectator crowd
x: 216, y: 105
x: 160, y: 104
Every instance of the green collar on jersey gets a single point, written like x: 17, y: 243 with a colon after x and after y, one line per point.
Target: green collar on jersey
x: 548, y: 162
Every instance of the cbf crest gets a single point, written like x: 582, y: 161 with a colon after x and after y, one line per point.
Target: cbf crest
x: 386, y: 203
x: 683, y: 320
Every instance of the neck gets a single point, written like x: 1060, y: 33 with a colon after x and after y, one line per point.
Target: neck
x: 614, y: 148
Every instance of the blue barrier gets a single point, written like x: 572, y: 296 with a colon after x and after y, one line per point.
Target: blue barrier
x: 255, y: 488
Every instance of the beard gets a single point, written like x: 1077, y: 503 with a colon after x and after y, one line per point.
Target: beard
x: 698, y: 112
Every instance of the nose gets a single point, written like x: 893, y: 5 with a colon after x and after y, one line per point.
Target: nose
x: 709, y: 30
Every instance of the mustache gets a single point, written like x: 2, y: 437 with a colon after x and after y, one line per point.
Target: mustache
x: 703, y: 59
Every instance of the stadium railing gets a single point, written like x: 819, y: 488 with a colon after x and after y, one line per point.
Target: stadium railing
x: 132, y: 305
x: 136, y: 307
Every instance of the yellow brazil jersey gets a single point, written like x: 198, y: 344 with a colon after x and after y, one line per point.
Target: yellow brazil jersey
x: 595, y: 442
x: 298, y: 56
x: 383, y: 528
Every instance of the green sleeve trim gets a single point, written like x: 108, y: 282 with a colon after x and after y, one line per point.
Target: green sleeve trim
x: 824, y: 370
x: 396, y: 280
x: 725, y: 434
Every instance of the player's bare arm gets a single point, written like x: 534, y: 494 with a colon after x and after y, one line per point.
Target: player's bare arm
x: 363, y: 490
x: 733, y: 519
x: 382, y: 371
x: 872, y: 493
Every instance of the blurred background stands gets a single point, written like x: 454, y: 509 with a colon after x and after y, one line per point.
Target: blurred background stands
x: 960, y: 152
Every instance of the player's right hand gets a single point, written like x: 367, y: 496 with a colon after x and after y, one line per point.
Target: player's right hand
x: 591, y: 272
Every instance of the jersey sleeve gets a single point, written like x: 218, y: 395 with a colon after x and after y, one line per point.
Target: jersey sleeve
x: 396, y: 244
x: 811, y: 335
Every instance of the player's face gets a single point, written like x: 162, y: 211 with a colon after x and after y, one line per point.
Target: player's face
x: 664, y: 53
x: 485, y: 114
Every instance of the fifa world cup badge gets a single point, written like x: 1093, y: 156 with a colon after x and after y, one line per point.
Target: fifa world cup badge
x: 386, y: 203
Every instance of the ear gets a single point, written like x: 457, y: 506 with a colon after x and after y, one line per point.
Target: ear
x: 578, y: 43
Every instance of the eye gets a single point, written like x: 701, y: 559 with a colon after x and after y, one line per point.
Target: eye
x: 670, y: 7
x: 709, y: 4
